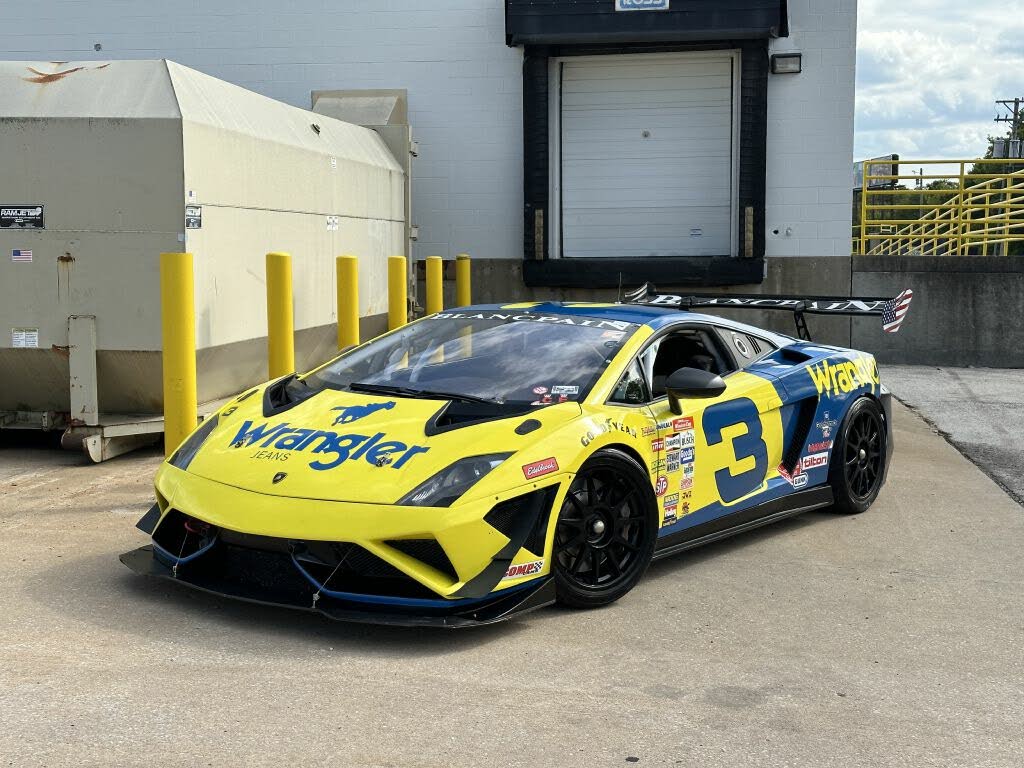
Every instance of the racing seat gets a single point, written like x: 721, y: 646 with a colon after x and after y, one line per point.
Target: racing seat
x: 678, y: 352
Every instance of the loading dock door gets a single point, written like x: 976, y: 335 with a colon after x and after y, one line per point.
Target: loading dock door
x: 646, y: 155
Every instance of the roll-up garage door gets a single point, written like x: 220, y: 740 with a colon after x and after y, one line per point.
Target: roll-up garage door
x: 646, y: 155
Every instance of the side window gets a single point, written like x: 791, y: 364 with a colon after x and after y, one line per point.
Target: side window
x: 690, y: 348
x: 745, y: 348
x: 632, y: 387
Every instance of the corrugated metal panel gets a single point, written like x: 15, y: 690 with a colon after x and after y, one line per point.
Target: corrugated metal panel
x: 646, y: 156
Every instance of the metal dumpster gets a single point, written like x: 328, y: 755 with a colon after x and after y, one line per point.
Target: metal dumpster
x: 103, y: 166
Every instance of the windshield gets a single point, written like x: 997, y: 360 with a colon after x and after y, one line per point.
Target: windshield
x: 501, y: 357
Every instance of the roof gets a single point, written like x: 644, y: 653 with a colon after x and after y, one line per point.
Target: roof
x: 654, y: 317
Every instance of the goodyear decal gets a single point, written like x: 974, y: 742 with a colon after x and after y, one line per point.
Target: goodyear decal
x: 334, y: 449
x: 841, y: 378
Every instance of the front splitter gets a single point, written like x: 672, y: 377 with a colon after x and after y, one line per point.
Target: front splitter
x: 479, y: 614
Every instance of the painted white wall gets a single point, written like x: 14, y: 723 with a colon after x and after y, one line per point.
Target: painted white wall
x: 810, y: 133
x: 465, y: 94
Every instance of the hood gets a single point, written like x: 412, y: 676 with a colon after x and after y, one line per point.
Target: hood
x: 347, y: 446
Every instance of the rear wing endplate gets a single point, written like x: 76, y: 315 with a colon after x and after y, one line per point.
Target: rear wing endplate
x: 892, y: 311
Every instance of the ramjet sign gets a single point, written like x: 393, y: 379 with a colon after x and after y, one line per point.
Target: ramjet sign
x: 641, y: 5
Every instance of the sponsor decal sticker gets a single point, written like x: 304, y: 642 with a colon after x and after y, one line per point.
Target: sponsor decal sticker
x: 540, y: 390
x: 661, y: 486
x: 648, y: 431
x: 614, y: 335
x: 814, y: 461
x: 826, y: 425
x: 616, y: 325
x: 673, y: 442
x: 686, y: 456
x: 657, y: 445
x: 687, y: 439
x: 799, y: 480
x: 565, y: 389
x: 658, y: 466
x: 686, y: 483
x: 683, y: 425
x: 672, y: 500
x: 524, y: 569
x: 540, y: 468
x: 673, y: 462
x: 608, y: 425
x: 825, y: 445
x: 356, y: 412
x: 331, y: 448
x: 840, y: 378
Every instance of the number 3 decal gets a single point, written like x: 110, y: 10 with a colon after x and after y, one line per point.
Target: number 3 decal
x: 750, y: 445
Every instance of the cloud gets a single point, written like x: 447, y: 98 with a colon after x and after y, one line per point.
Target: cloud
x: 928, y: 75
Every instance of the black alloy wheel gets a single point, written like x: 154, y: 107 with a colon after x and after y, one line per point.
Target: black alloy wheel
x: 606, y: 531
x: 858, y: 458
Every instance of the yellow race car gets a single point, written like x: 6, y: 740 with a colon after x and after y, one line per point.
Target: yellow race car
x: 490, y: 460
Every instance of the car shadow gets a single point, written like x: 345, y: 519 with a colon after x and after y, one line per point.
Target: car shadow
x: 100, y: 591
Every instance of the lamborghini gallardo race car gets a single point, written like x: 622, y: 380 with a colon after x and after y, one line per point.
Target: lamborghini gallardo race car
x: 489, y: 460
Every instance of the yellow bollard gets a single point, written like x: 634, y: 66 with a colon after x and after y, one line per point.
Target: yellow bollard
x: 398, y: 301
x: 463, y: 292
x: 280, y: 318
x: 435, y: 284
x: 178, y: 320
x: 348, y: 301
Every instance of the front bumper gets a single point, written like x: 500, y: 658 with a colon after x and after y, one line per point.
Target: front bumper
x: 472, y: 563
x: 290, y: 591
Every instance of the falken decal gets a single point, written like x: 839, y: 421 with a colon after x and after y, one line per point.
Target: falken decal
x: 540, y: 468
x: 343, y: 448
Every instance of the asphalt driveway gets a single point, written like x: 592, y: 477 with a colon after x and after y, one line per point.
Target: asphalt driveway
x: 889, y: 639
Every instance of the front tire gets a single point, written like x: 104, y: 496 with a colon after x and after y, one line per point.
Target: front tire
x: 858, y: 458
x: 605, y: 532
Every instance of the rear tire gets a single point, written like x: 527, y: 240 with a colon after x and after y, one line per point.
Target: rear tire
x: 605, y: 531
x: 858, y: 458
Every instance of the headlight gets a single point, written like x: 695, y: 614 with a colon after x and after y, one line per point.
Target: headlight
x: 188, y: 450
x: 445, y: 488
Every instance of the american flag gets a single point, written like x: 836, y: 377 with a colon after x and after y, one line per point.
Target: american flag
x: 17, y: 255
x: 894, y: 311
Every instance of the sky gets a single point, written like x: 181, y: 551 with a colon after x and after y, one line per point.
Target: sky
x: 928, y: 75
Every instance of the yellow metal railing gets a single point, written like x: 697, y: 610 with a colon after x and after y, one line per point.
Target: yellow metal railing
x: 980, y: 213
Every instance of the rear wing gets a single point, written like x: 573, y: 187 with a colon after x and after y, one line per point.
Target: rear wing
x: 892, y: 311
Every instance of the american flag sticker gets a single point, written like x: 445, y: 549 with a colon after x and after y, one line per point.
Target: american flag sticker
x: 21, y: 255
x: 894, y: 311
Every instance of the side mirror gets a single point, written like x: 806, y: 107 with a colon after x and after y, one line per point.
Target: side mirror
x: 692, y: 382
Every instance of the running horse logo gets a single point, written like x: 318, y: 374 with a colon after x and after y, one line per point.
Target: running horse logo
x: 356, y: 412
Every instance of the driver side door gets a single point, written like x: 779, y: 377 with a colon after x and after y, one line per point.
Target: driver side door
x: 719, y: 453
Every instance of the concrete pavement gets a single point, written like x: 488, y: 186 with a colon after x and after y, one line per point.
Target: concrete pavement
x: 889, y: 639
x: 979, y: 410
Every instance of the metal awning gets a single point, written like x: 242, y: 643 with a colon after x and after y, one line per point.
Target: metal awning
x: 583, y: 22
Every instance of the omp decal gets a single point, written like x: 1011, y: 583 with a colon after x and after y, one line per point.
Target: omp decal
x: 540, y: 468
x: 344, y: 447
x: 749, y: 445
x: 524, y: 569
x: 841, y: 378
x: 356, y: 412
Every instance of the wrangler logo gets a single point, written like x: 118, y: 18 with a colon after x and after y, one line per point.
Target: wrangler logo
x: 840, y: 378
x: 336, y: 449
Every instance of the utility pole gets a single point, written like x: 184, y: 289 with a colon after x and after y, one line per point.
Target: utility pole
x: 1015, y: 108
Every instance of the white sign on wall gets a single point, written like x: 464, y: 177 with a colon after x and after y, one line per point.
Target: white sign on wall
x: 641, y: 5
